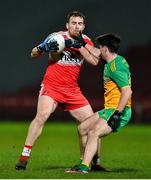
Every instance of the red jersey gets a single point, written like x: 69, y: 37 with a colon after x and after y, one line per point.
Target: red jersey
x: 65, y: 72
x: 60, y: 80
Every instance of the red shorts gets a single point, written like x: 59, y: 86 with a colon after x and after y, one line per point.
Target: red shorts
x: 69, y: 98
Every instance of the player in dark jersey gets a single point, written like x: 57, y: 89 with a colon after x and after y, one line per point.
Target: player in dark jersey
x: 60, y: 84
x: 117, y: 108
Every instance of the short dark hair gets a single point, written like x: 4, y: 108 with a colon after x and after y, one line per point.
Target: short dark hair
x: 75, y: 14
x: 112, y: 41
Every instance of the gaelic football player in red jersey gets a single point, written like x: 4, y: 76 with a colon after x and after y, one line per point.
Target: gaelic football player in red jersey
x: 60, y: 86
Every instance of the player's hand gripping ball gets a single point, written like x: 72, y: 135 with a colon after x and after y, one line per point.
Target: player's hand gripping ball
x: 56, y: 37
x: 54, y: 43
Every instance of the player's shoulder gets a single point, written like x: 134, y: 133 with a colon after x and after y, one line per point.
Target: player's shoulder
x: 118, y: 64
x: 122, y: 62
x: 87, y: 39
x: 62, y: 32
x: 120, y: 58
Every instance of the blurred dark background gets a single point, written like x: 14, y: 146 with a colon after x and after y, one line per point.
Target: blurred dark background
x: 24, y: 24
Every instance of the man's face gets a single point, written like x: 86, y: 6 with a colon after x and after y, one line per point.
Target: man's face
x: 75, y: 25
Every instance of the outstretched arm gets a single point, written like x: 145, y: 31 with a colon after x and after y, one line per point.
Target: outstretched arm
x: 48, y: 45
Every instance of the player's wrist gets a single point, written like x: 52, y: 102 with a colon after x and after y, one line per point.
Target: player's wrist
x: 83, y: 43
x: 118, y: 112
x: 40, y: 48
x: 117, y: 115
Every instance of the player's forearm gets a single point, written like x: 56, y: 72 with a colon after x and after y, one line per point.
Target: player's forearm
x: 125, y: 96
x: 35, y: 53
x: 93, y: 50
x: 90, y: 58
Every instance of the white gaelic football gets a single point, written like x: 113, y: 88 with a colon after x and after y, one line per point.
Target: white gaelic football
x: 60, y: 40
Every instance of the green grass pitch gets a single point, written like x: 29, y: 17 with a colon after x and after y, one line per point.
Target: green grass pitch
x: 127, y: 153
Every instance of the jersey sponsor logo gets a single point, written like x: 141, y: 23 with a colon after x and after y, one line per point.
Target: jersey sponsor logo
x: 68, y: 59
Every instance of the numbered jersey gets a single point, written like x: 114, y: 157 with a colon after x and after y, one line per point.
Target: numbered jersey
x: 65, y: 72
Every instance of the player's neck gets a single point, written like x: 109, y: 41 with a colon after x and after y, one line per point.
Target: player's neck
x: 69, y: 35
x: 111, y: 57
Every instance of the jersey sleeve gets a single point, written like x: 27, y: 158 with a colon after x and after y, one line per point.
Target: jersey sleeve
x: 120, y: 74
